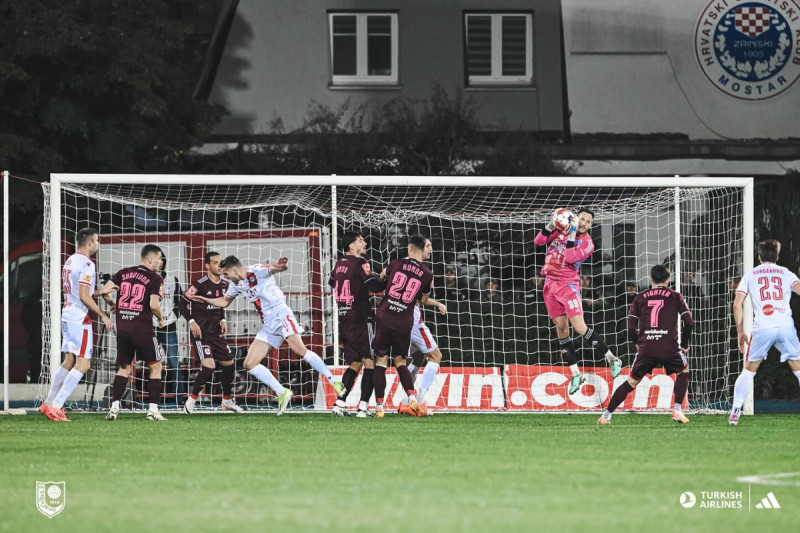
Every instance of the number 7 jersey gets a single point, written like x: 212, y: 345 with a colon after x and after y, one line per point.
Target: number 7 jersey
x: 408, y: 279
x: 770, y: 288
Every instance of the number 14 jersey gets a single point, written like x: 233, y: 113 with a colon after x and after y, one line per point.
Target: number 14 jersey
x: 352, y: 281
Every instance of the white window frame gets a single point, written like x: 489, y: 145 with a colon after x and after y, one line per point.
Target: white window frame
x: 496, y: 77
x: 361, y: 77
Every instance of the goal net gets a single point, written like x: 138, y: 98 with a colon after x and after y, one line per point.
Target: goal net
x: 499, y: 347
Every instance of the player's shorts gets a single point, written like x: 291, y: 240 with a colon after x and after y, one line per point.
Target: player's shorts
x: 784, y: 339
x: 421, y: 338
x: 562, y: 299
x: 77, y: 339
x: 279, y: 328
x: 143, y: 348
x: 390, y: 340
x: 645, y: 364
x: 211, y: 346
x: 356, y: 340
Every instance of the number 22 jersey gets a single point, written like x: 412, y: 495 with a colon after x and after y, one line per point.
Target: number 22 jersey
x: 136, y: 286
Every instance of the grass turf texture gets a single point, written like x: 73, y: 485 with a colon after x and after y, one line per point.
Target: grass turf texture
x: 315, y: 472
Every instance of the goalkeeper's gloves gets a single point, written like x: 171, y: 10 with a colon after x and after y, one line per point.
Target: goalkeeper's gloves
x: 573, y: 232
x: 548, y: 229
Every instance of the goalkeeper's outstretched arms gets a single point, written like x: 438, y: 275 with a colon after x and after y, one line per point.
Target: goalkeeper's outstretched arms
x: 545, y: 235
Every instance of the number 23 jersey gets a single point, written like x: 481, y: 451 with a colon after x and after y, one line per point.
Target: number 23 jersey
x: 770, y: 289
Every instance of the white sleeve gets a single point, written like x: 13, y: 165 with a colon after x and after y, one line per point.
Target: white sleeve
x: 261, y: 271
x: 792, y: 278
x: 232, y: 291
x: 743, y: 284
x: 86, y: 275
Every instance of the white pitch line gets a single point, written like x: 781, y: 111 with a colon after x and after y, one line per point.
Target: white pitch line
x: 772, y: 479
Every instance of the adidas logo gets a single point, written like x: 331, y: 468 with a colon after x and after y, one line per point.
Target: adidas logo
x: 209, y: 292
x: 769, y: 502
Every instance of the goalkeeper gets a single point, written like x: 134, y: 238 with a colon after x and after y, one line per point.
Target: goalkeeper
x: 567, y: 248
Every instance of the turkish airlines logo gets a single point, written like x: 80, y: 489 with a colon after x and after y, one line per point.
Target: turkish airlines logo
x: 768, y: 310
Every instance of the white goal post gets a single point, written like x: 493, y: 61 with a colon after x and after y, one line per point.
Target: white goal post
x: 498, y: 344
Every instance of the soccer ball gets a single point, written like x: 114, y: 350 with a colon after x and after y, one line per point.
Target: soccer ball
x: 563, y: 219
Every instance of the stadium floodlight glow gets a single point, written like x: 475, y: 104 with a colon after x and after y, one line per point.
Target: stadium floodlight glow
x: 500, y: 353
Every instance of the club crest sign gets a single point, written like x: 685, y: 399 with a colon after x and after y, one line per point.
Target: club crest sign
x: 51, y: 497
x: 749, y: 50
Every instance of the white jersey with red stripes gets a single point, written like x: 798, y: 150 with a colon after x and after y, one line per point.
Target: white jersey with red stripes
x: 78, y: 270
x: 769, y: 287
x: 421, y: 337
x: 259, y: 287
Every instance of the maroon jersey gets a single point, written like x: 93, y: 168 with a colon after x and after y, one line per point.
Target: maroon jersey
x: 653, y: 322
x: 352, y: 281
x: 207, y: 316
x: 136, y: 286
x: 408, y: 279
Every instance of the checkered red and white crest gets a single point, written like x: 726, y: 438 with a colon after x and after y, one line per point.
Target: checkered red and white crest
x: 752, y: 21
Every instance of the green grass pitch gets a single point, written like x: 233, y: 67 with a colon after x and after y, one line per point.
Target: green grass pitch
x: 315, y: 472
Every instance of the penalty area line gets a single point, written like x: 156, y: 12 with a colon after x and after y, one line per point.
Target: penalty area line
x: 782, y: 479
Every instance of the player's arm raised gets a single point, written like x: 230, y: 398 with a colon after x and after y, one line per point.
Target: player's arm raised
x: 738, y: 319
x: 574, y: 254
x: 281, y: 266
x: 91, y: 305
x: 546, y: 235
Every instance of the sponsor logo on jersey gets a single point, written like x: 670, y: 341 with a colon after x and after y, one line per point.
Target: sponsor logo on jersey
x: 749, y: 50
x: 768, y: 310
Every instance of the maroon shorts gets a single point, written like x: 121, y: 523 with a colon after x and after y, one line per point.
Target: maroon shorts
x: 356, y: 340
x: 644, y: 364
x: 142, y: 347
x: 211, y: 346
x: 387, y: 339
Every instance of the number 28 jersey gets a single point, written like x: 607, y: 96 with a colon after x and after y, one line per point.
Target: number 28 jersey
x: 770, y: 288
x: 136, y: 286
x: 408, y: 279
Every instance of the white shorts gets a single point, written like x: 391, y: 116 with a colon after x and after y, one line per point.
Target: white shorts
x: 279, y: 328
x: 78, y: 339
x: 421, y: 339
x: 784, y: 339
